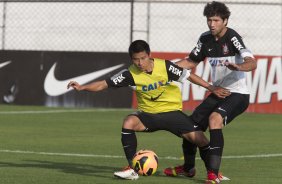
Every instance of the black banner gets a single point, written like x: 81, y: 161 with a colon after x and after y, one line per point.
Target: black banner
x: 41, y: 78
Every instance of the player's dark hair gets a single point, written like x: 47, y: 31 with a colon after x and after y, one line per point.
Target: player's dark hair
x: 217, y: 9
x: 138, y: 46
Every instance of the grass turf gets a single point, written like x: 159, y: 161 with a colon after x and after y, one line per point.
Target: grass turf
x: 79, y: 146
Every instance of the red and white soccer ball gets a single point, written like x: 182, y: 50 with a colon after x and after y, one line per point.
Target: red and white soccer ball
x: 145, y: 162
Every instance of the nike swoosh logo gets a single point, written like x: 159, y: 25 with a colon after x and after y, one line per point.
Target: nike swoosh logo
x: 54, y: 87
x: 155, y: 98
x: 4, y: 64
x: 221, y: 109
x: 214, y: 148
x: 125, y: 133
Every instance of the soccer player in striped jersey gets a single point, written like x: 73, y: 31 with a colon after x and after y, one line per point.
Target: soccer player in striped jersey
x: 225, y: 51
x: 159, y: 101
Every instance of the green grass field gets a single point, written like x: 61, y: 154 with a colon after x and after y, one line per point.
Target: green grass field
x: 40, y: 145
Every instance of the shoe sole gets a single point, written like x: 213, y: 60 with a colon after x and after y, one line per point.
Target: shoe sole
x: 211, y: 182
x: 125, y: 178
x: 180, y: 175
x: 224, y: 178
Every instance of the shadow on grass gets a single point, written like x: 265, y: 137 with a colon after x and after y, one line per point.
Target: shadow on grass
x: 72, y: 168
x: 194, y: 179
x: 84, y: 169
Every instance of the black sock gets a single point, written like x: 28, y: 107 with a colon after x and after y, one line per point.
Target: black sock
x: 216, y: 149
x: 204, y: 151
x: 189, y: 152
x: 129, y: 143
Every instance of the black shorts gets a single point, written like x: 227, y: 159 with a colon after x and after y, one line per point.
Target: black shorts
x: 175, y: 122
x: 228, y: 108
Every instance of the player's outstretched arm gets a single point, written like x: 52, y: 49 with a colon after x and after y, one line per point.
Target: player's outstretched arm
x: 249, y: 64
x: 94, y: 86
x: 186, y: 63
x: 218, y: 91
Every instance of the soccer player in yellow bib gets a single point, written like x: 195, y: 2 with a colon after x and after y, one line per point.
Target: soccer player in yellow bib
x: 159, y: 101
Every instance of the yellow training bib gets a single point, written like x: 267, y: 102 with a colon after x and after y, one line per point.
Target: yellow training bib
x: 155, y: 94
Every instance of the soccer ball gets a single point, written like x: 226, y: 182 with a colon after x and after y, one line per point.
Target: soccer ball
x: 145, y: 162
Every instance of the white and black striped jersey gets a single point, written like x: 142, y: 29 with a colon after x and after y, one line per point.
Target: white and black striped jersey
x: 230, y: 48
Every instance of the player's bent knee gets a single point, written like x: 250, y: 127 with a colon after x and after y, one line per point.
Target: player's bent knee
x: 133, y: 123
x: 201, y: 139
x: 189, y: 136
x: 128, y: 122
x: 215, y: 121
x: 197, y: 138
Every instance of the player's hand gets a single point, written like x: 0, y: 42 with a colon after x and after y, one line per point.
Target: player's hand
x: 232, y: 66
x: 220, y: 92
x: 74, y: 85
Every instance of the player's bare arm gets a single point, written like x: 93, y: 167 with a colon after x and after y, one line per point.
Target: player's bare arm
x: 218, y: 91
x: 94, y: 86
x: 248, y: 65
x: 187, y: 63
